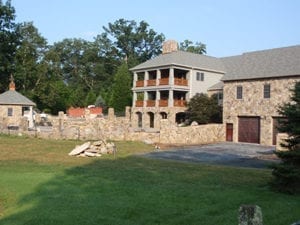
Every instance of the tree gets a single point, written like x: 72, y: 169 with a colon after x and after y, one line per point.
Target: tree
x: 8, y: 42
x: 121, y: 95
x: 189, y: 46
x: 204, y: 109
x: 30, y: 68
x: 126, y: 39
x: 287, y: 173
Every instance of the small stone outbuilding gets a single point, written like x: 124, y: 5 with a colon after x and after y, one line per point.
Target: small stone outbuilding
x: 15, y: 109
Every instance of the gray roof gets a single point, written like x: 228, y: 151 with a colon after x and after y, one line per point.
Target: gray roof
x: 217, y: 86
x: 14, y: 98
x: 186, y: 59
x: 278, y: 62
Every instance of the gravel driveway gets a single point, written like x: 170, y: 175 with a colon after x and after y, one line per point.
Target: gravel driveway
x: 226, y: 153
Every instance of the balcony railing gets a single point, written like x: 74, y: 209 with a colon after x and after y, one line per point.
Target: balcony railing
x: 181, y: 81
x: 163, y: 103
x: 151, y: 82
x: 150, y: 103
x: 164, y: 81
x: 179, y: 103
x: 139, y: 83
x: 139, y: 103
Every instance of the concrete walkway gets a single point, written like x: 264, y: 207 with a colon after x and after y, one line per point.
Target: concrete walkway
x: 226, y: 153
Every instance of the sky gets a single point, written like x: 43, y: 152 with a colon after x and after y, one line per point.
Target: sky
x: 227, y: 27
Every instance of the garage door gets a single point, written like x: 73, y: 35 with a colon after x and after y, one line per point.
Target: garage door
x: 249, y: 129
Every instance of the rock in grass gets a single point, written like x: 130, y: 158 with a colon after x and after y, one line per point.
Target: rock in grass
x: 80, y: 148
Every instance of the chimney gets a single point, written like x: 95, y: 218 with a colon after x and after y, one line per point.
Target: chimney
x: 170, y: 46
x: 12, y: 86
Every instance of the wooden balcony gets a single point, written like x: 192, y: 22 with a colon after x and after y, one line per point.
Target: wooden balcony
x: 139, y: 103
x: 151, y: 82
x: 163, y: 103
x: 139, y: 83
x: 150, y: 103
x: 164, y: 81
x: 181, y: 81
x: 179, y: 103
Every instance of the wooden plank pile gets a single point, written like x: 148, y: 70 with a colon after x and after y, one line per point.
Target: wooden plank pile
x: 95, y: 149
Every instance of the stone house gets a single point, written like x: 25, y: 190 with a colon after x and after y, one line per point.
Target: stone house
x: 15, y: 109
x: 255, y: 84
x: 250, y: 87
x: 163, y: 85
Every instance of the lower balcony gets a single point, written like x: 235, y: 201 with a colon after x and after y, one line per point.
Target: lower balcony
x: 179, y: 103
x: 139, y: 103
x: 150, y: 103
x: 163, y: 103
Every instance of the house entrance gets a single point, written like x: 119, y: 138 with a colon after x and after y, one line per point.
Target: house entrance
x: 229, y: 132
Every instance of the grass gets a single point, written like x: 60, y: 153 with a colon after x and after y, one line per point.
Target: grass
x: 40, y: 184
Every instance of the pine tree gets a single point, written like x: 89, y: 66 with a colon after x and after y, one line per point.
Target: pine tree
x: 121, y: 89
x: 287, y: 173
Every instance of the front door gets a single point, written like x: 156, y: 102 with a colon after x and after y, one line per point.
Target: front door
x: 229, y: 132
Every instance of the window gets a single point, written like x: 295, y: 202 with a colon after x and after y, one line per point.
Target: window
x: 9, y: 112
x: 200, y: 76
x: 239, y: 92
x: 267, y: 91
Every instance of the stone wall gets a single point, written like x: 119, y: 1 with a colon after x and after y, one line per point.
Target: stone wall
x: 119, y: 128
x: 200, y: 134
x: 254, y: 104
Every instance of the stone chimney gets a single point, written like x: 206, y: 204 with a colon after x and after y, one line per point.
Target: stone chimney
x: 12, y: 86
x: 170, y: 46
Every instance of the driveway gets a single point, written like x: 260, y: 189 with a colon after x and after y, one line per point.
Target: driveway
x: 226, y: 153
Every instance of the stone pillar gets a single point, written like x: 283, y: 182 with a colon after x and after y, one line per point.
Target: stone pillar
x: 171, y: 99
x: 61, y: 122
x: 30, y: 119
x: 250, y: 215
x: 111, y: 114
x: 127, y: 112
x: 145, y: 98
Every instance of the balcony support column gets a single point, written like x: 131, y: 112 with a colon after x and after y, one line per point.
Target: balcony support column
x: 171, y: 99
x: 171, y: 76
x: 158, y: 76
x: 146, y: 78
x: 157, y: 98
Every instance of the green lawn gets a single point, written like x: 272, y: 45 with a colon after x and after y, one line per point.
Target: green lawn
x: 41, y: 185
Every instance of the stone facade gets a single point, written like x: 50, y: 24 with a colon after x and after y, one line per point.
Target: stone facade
x: 254, y: 104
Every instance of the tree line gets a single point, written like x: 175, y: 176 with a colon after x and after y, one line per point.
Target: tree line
x: 76, y: 72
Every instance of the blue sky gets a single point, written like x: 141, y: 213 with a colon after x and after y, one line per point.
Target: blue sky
x: 228, y: 27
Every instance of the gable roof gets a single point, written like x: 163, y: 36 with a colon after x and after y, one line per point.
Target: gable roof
x: 14, y: 98
x: 278, y: 62
x: 186, y: 59
x: 217, y: 86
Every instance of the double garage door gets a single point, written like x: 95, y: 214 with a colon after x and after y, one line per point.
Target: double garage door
x: 249, y: 129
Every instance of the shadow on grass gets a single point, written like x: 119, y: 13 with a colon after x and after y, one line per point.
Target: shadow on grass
x: 141, y: 191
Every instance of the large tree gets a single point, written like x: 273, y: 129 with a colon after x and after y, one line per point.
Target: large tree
x: 8, y: 42
x: 121, y: 95
x: 287, y: 173
x: 204, y: 109
x: 30, y: 67
x: 129, y: 40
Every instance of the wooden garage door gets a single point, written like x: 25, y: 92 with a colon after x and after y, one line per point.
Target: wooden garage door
x: 249, y: 129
